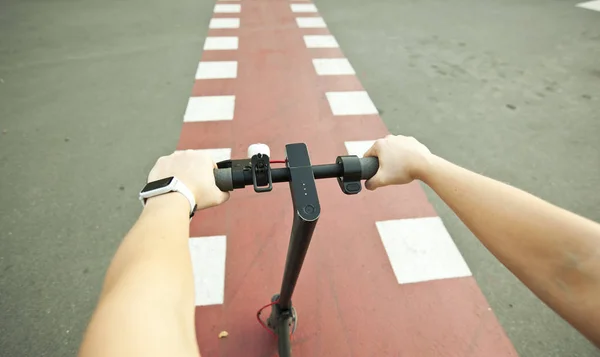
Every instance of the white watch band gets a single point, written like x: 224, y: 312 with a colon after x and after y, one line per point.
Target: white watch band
x: 174, y: 186
x: 182, y: 188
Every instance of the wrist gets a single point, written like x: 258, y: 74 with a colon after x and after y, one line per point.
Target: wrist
x: 424, y: 166
x: 171, y: 201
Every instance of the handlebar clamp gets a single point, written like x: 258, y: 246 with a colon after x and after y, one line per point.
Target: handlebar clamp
x: 352, y: 173
x: 261, y: 173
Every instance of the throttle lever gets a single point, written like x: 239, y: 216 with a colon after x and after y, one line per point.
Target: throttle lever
x: 352, y: 173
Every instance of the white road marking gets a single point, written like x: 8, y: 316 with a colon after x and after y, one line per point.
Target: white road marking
x: 332, y: 66
x: 230, y: 23
x: 221, y: 43
x: 216, y: 70
x: 590, y: 5
x: 219, y: 154
x: 303, y: 8
x: 320, y: 41
x: 351, y: 103
x: 421, y: 249
x: 228, y: 8
x: 209, y: 108
x: 208, y: 263
x: 310, y: 22
x: 358, y: 148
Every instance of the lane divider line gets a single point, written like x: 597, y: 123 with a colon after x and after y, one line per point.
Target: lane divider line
x: 320, y: 41
x: 216, y: 43
x: 224, y: 23
x: 210, y: 108
x: 358, y: 148
x: 208, y: 264
x: 590, y: 5
x: 298, y: 8
x: 216, y: 70
x: 351, y: 103
x: 310, y: 22
x: 421, y: 249
x: 228, y: 8
x: 333, y: 66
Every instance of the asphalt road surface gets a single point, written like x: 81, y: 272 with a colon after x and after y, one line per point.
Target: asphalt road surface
x: 91, y: 93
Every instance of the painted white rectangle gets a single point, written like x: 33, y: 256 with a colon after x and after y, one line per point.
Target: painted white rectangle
x: 358, y: 148
x: 310, y: 22
x: 210, y: 108
x: 216, y: 70
x: 229, y: 23
x: 351, y: 103
x: 217, y: 155
x: 303, y: 8
x: 320, y: 41
x: 228, y: 8
x: 590, y: 5
x: 221, y: 43
x: 421, y: 249
x: 333, y: 66
x: 208, y: 263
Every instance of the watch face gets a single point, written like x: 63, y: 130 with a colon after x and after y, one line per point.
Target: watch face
x: 155, y: 185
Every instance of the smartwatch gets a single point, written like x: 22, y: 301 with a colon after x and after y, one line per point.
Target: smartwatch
x: 166, y: 185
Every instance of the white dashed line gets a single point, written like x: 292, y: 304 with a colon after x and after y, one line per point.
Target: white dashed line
x: 221, y: 43
x: 351, y: 103
x: 209, y: 108
x: 590, y: 5
x: 420, y: 249
x: 310, y: 22
x: 208, y: 263
x: 217, y: 155
x: 332, y: 66
x: 228, y: 8
x: 320, y: 41
x: 358, y: 148
x: 216, y: 70
x: 224, y: 23
x: 303, y: 8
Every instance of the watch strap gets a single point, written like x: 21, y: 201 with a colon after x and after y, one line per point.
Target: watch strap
x: 187, y: 193
x: 175, y: 186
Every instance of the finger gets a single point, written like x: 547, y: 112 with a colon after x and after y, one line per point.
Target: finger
x: 224, y: 196
x: 375, y: 182
x: 220, y: 197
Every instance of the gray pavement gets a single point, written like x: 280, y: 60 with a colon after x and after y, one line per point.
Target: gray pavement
x: 510, y: 89
x: 92, y: 92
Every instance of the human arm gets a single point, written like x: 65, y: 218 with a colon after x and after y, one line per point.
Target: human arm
x: 555, y: 253
x: 146, y: 307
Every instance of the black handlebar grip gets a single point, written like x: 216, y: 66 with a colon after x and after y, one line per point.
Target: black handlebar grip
x: 369, y: 167
x: 224, y: 180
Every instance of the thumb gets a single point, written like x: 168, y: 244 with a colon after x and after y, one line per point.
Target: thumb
x: 375, y: 181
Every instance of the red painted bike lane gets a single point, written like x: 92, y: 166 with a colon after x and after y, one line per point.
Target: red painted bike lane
x: 350, y: 297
